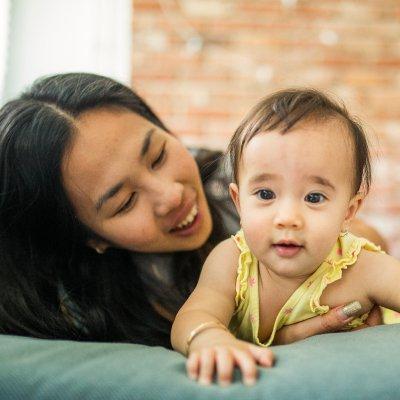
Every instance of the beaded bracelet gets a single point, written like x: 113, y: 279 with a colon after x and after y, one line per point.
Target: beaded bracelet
x: 201, y: 328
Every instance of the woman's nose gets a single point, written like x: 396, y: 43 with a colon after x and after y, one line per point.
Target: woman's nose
x: 288, y: 216
x: 167, y: 197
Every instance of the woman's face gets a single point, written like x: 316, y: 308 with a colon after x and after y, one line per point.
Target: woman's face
x: 135, y: 185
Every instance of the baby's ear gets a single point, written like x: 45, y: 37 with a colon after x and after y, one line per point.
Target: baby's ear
x: 234, y: 192
x: 354, y: 205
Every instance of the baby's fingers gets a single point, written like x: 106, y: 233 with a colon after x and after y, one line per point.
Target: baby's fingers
x: 192, y: 365
x: 263, y: 356
x: 225, y: 363
x: 247, y: 365
x: 207, y: 361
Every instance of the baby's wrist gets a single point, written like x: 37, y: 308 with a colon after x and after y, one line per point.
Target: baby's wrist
x: 205, y: 335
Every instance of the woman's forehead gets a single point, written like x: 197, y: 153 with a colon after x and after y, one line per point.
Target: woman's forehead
x: 106, y: 126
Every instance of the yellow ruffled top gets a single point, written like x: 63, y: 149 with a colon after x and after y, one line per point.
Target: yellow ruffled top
x: 304, y: 302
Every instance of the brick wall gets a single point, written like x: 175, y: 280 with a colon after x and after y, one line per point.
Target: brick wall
x: 202, y: 64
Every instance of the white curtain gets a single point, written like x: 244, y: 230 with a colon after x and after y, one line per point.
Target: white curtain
x: 53, y: 36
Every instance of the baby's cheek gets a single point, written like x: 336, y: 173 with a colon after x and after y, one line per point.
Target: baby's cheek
x: 322, y: 246
x: 256, y: 235
x: 252, y: 221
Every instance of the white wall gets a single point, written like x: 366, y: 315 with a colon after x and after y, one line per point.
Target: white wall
x: 4, y: 27
x: 52, y: 36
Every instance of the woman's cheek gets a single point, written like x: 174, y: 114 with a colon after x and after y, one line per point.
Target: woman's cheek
x: 132, y: 233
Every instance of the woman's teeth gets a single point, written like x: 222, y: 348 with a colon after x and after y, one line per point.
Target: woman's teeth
x: 189, y: 218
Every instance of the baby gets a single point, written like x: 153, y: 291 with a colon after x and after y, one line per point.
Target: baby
x: 301, y: 170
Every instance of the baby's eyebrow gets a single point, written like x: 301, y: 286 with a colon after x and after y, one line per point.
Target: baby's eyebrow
x: 261, y: 178
x: 321, y: 181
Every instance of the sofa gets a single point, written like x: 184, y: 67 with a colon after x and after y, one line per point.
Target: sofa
x: 356, y: 365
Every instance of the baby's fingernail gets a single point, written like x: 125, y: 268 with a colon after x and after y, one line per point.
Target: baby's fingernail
x: 224, y: 383
x: 249, y: 381
x: 267, y: 361
x: 204, y: 381
x: 351, y: 310
x: 193, y: 377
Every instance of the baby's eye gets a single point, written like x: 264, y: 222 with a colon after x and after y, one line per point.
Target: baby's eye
x: 265, y: 194
x: 315, y: 198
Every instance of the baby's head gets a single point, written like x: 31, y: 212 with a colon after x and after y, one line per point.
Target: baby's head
x: 285, y: 109
x: 301, y: 167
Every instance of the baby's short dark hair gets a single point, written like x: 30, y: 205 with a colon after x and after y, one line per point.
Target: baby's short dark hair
x: 282, y: 110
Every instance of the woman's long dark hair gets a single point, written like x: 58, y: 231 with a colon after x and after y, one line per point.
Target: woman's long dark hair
x: 51, y: 284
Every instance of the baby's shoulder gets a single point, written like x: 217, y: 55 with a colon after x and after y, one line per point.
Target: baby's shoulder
x: 225, y: 253
x: 219, y: 270
x: 366, y: 257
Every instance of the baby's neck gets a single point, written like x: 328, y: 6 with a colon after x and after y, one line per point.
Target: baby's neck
x: 283, y: 282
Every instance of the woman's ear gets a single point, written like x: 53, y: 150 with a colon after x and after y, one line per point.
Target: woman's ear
x: 354, y: 205
x: 99, y: 245
x: 234, y: 192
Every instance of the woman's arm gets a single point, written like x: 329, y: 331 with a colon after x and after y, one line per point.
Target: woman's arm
x: 204, y: 318
x: 334, y: 320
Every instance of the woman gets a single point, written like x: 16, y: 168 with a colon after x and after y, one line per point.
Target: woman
x: 105, y: 219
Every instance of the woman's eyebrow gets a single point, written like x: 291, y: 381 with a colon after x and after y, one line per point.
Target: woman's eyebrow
x: 146, y: 142
x: 107, y: 195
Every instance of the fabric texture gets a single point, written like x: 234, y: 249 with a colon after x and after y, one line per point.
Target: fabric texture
x: 304, y: 302
x: 356, y: 365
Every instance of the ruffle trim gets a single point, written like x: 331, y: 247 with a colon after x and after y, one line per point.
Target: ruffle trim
x: 335, y: 272
x: 243, y: 271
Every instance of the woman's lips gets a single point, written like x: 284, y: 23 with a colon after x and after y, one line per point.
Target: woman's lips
x: 180, y: 215
x: 190, y: 228
x: 189, y: 218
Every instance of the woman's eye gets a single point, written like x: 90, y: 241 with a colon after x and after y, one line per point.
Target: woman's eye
x: 315, y: 198
x: 160, y: 157
x: 127, y: 204
x: 265, y: 194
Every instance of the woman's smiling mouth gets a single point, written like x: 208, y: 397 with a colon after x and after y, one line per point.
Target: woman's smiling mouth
x: 189, y: 224
x: 189, y: 218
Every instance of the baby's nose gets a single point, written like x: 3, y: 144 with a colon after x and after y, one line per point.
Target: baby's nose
x: 288, y: 216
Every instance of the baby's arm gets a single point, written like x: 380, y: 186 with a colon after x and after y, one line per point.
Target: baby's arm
x: 381, y: 279
x: 211, y: 306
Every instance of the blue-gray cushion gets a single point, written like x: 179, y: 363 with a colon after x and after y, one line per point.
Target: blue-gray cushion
x: 356, y: 365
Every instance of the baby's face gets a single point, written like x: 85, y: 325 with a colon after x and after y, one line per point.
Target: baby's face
x: 295, y: 195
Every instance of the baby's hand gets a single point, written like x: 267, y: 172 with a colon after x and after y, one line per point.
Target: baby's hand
x: 222, y: 358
